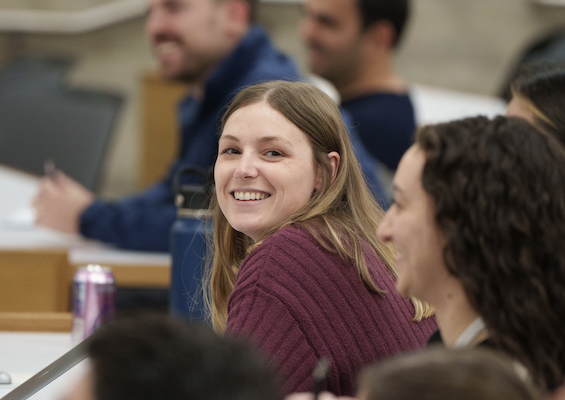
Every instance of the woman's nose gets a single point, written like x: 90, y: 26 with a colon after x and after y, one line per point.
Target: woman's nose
x: 246, y: 168
x: 384, y: 231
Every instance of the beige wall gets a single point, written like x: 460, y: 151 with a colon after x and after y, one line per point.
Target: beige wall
x: 460, y: 44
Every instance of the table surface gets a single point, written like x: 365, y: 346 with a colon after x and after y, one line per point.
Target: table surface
x: 18, y: 189
x: 23, y: 354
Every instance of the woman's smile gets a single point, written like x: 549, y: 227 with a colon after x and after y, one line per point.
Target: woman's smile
x: 265, y: 169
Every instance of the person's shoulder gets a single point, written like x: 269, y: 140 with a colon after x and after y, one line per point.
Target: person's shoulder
x: 288, y: 239
x: 269, y: 62
x: 291, y: 247
x: 378, y: 99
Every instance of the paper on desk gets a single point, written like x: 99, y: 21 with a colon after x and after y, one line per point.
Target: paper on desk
x: 21, y: 218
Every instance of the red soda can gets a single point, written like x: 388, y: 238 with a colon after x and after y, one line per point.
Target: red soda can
x: 94, y: 289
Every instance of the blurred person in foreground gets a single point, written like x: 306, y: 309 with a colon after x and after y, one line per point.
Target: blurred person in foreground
x: 351, y: 43
x: 538, y: 96
x: 478, y: 222
x: 156, y: 358
x: 440, y: 374
x: 297, y: 266
x: 215, y: 47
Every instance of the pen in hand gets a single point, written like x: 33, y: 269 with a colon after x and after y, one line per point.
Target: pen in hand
x: 50, y: 169
x: 320, y: 375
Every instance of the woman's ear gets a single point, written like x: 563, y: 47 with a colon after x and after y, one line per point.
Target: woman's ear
x: 334, y: 164
x: 237, y: 16
x: 334, y: 167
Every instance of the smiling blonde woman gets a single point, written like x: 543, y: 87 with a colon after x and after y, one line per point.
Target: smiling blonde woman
x: 297, y: 265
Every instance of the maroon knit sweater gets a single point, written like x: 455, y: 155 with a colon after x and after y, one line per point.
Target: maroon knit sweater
x: 299, y: 302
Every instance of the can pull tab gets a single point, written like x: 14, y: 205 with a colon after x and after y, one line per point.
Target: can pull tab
x: 192, y: 196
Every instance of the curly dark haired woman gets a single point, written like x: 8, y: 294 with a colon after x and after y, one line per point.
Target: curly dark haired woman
x: 478, y: 221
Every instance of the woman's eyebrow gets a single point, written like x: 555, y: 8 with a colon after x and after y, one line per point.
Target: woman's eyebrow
x: 274, y: 138
x: 262, y: 139
x: 230, y: 137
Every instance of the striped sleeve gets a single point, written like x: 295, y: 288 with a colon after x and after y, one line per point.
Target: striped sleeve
x: 263, y: 318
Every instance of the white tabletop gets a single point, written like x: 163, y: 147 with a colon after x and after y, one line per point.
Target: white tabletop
x: 17, y: 231
x: 23, y: 354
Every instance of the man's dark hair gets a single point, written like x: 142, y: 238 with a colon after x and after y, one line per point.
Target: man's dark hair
x: 498, y: 189
x: 157, y: 358
x: 394, y: 11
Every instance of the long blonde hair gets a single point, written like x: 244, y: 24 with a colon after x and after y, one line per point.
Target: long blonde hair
x: 342, y: 215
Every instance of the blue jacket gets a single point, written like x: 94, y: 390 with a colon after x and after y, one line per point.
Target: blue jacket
x: 143, y: 221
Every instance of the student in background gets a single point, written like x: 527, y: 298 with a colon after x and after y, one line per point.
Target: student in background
x: 155, y: 358
x: 211, y: 44
x: 538, y: 96
x: 297, y: 266
x: 351, y: 44
x: 478, y: 221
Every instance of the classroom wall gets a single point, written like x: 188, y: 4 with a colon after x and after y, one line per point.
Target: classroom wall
x: 460, y: 44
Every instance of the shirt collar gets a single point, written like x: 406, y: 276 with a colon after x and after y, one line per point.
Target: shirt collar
x: 470, y: 333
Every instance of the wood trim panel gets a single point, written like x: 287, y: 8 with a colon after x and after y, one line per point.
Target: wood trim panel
x: 36, y: 322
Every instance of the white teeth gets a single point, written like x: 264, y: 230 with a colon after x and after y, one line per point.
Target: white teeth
x: 246, y: 196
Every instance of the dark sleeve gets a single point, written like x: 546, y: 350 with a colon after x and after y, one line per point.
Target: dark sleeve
x: 141, y: 222
x: 369, y: 164
x: 266, y: 321
x: 386, y: 126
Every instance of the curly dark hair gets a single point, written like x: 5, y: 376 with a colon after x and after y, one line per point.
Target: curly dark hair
x: 499, y: 193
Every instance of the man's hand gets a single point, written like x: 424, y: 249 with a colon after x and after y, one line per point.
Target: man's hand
x: 60, y: 202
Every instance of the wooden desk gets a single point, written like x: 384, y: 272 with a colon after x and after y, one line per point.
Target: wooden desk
x: 36, y: 322
x: 130, y: 268
x: 36, y: 280
x: 37, y: 265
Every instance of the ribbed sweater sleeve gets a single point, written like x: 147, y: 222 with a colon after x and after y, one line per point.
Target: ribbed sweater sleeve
x: 299, y: 302
x: 272, y: 326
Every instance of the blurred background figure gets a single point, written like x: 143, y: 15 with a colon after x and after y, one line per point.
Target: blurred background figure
x: 155, y: 358
x: 351, y: 43
x: 478, y: 222
x: 437, y: 374
x: 216, y: 48
x: 538, y: 96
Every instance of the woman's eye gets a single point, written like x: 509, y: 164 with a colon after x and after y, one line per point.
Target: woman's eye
x: 273, y: 153
x: 230, y: 150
